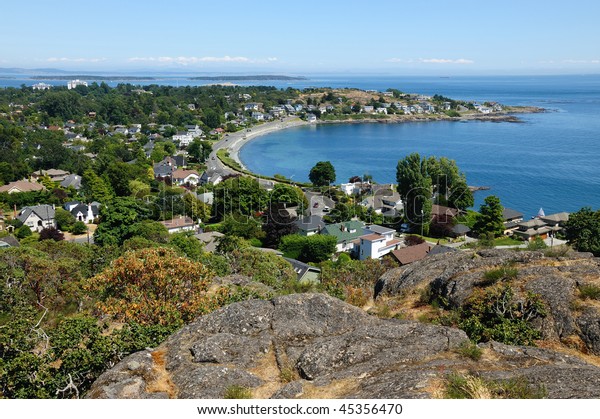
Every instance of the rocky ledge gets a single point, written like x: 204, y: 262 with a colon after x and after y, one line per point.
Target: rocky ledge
x: 315, y: 346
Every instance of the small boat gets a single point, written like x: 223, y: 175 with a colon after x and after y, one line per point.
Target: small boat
x: 540, y: 213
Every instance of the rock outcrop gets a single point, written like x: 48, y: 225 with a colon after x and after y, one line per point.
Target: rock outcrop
x: 556, y: 280
x: 315, y: 346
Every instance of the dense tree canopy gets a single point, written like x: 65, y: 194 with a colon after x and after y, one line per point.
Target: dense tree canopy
x: 490, y: 219
x: 322, y: 174
x: 583, y: 230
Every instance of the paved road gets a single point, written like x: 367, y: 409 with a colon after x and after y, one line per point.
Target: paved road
x: 321, y: 201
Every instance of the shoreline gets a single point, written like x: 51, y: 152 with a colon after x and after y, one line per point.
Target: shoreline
x: 241, y: 138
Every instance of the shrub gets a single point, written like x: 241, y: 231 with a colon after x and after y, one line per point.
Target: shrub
x: 492, y: 276
x: 469, y: 350
x: 237, y: 392
x: 536, y: 244
x: 589, y: 291
x: 497, y: 314
x: 79, y: 228
x: 23, y: 231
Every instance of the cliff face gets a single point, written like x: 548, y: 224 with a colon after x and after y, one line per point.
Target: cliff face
x: 315, y: 346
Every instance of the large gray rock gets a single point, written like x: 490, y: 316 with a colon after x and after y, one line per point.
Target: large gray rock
x: 454, y: 277
x: 325, y: 347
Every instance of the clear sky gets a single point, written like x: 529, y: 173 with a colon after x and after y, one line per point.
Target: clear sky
x: 302, y: 37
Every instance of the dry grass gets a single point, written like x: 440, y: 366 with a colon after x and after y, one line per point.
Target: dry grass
x: 337, y: 389
x: 573, y: 346
x: 161, y: 381
x: 268, y: 371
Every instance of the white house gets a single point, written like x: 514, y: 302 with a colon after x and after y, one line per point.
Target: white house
x: 42, y: 86
x: 83, y: 212
x: 74, y: 83
x: 183, y: 176
x: 184, y: 138
x: 38, y: 217
x: 377, y: 242
x: 251, y: 107
x: 368, y: 109
x: 259, y: 116
x: 311, y: 118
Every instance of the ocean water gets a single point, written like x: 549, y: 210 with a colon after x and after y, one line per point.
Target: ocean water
x: 549, y: 160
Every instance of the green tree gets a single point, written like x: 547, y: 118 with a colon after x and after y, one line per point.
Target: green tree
x: 582, y: 230
x: 242, y: 226
x: 79, y: 227
x: 291, y: 196
x: 95, y: 188
x: 199, y: 150
x: 64, y: 219
x: 190, y: 246
x: 116, y: 219
x: 322, y: 174
x: 315, y: 248
x: 490, y: 219
x: 415, y: 187
x: 239, y: 195
x: 150, y: 230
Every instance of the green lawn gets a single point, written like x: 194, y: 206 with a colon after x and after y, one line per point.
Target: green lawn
x: 507, y: 241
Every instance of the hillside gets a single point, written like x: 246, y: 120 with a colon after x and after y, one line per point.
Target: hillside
x: 315, y: 346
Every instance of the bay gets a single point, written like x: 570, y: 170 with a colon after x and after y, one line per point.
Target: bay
x: 550, y: 160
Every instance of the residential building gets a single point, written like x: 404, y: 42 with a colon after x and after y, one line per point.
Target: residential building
x: 312, y: 118
x: 347, y: 234
x: 180, y: 224
x: 55, y: 175
x: 210, y: 176
x: 74, y: 83
x: 210, y: 240
x: 511, y: 220
x: 86, y: 213
x: 529, y: 230
x: 37, y: 217
x: 411, y: 254
x: 185, y: 177
x: 377, y: 241
x: 206, y: 197
x: 42, y: 86
x: 21, y: 186
x: 305, y: 273
x: 184, y: 138
x: 307, y: 226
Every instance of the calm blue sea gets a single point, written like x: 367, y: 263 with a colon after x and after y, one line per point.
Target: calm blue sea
x: 550, y: 160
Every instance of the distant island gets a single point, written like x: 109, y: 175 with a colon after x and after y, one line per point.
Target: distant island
x: 89, y: 77
x: 259, y: 77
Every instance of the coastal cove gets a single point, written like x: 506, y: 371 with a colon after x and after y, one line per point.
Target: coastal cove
x: 548, y: 160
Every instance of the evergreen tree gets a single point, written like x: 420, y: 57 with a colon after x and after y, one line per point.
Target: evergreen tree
x: 490, y: 219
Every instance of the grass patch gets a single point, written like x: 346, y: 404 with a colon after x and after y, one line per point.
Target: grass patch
x: 288, y: 374
x: 492, y: 276
x: 507, y: 241
x: 223, y: 155
x: 237, y: 392
x: 469, y: 350
x: 442, y: 240
x: 473, y: 387
x: 589, y: 292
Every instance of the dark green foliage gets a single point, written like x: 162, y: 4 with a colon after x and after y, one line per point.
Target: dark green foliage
x: 150, y: 230
x: 242, y: 226
x: 469, y: 350
x: 23, y: 231
x: 490, y: 219
x: 582, y: 230
x: 239, y: 195
x: 263, y: 267
x: 64, y: 219
x: 415, y: 188
x: 322, y: 174
x: 185, y: 242
x: 315, y: 248
x: 79, y: 228
x: 496, y: 313
x: 116, y: 220
x: 537, y: 244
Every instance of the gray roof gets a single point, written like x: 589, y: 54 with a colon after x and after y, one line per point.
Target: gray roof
x: 510, y: 214
x: 72, y: 180
x: 312, y: 223
x: 9, y: 241
x: 45, y: 212
x: 560, y: 217
x: 379, y: 229
x: 302, y: 268
x: 83, y: 208
x: 460, y: 229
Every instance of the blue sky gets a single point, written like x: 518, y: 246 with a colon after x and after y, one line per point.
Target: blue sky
x: 377, y: 36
